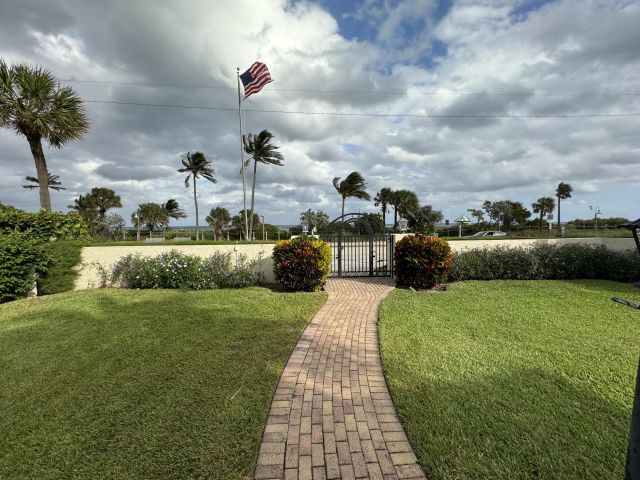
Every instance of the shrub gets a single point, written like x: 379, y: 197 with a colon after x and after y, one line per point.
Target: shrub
x: 178, y: 270
x: 44, y: 225
x: 20, y: 258
x: 302, y: 263
x: 422, y: 262
x: 548, y: 262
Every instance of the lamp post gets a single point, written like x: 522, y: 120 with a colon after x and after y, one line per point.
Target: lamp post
x: 596, y: 211
x: 138, y: 225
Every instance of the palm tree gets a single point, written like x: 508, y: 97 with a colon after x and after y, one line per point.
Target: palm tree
x: 404, y: 203
x: 562, y: 192
x: 383, y: 199
x: 173, y: 209
x: 217, y: 218
x: 352, y: 186
x: 260, y: 148
x: 197, y: 166
x: 104, y: 199
x: 150, y: 214
x: 543, y: 206
x: 53, y: 182
x: 33, y: 104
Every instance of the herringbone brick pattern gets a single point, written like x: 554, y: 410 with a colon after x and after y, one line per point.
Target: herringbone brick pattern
x: 332, y: 416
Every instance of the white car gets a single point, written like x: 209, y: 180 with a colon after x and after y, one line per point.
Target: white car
x: 488, y: 233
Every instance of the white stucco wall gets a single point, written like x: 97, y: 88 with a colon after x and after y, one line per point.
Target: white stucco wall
x: 107, y: 256
x: 612, y: 243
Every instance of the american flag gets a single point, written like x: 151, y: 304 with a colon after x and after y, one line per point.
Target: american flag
x: 255, y: 78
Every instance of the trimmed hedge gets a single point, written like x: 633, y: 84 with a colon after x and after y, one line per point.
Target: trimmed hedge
x: 43, y: 225
x: 302, y: 264
x: 20, y: 258
x: 546, y: 262
x: 422, y: 262
x: 178, y: 270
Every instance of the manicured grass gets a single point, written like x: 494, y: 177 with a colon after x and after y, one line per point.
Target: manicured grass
x: 142, y: 384
x: 60, y: 277
x: 514, y: 379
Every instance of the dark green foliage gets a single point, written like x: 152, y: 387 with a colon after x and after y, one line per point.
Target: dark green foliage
x: 44, y: 225
x: 60, y: 276
x: 302, y: 264
x: 178, y: 270
x: 424, y: 218
x: 422, y: 262
x: 548, y: 262
x: 20, y: 258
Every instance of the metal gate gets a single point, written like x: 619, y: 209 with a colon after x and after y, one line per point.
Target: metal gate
x: 357, y: 255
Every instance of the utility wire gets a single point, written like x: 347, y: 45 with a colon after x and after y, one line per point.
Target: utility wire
x: 362, y: 114
x: 362, y: 92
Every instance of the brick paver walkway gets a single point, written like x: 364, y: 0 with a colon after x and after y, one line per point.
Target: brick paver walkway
x: 332, y: 416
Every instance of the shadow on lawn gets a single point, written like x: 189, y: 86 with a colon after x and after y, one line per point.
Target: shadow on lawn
x: 521, y: 424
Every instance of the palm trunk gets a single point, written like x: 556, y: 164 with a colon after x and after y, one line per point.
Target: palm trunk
x: 253, y: 195
x: 43, y: 173
x: 395, y: 217
x: 195, y: 200
x: 558, y: 214
x: 541, y: 215
x: 343, y: 198
x: 384, y: 216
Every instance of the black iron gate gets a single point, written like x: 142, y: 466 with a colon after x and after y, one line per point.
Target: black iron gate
x: 355, y: 254
x: 360, y: 255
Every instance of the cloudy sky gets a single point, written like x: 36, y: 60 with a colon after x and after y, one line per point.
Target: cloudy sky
x: 460, y: 101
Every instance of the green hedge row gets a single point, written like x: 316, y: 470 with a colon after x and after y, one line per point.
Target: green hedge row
x: 20, y: 258
x: 546, y: 262
x: 43, y: 225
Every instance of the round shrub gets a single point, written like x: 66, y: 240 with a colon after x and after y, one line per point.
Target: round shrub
x: 422, y: 262
x: 302, y: 264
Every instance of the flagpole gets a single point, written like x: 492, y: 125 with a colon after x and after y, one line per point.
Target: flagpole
x: 242, y: 170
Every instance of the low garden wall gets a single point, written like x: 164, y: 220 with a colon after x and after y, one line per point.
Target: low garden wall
x: 612, y: 243
x: 107, y: 256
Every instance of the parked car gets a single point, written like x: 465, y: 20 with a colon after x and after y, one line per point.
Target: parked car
x: 488, y: 233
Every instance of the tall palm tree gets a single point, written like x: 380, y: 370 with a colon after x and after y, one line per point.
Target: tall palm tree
x: 260, y: 148
x: 33, y: 104
x: 197, y: 165
x: 543, y: 206
x: 54, y: 182
x: 562, y: 192
x: 383, y: 199
x: 352, y: 186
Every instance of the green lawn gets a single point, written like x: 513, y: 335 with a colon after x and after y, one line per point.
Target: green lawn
x: 142, y: 384
x: 514, y: 379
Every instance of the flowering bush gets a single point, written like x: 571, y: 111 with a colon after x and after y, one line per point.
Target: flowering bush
x: 549, y: 262
x: 178, y: 270
x: 422, y: 262
x: 302, y: 263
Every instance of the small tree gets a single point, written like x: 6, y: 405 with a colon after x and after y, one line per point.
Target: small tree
x: 217, y: 218
x: 383, y: 199
x: 477, y: 214
x: 54, y: 183
x: 317, y: 219
x: 152, y: 215
x: 543, y: 206
x: 424, y: 218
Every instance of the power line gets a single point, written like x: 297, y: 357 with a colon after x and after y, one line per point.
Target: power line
x: 363, y: 114
x: 363, y: 92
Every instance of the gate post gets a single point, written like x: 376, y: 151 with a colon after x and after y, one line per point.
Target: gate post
x: 390, y: 253
x: 371, y: 255
x: 340, y: 252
